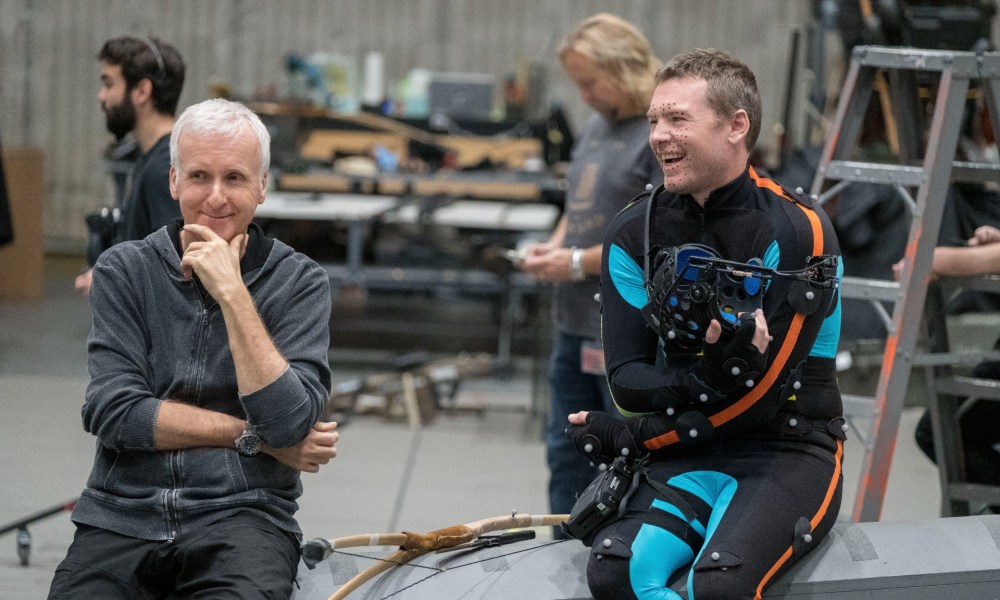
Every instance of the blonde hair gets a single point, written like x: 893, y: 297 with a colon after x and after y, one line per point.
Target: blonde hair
x: 621, y: 51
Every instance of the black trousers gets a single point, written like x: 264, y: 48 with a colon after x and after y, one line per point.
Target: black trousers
x: 241, y: 557
x: 735, y: 516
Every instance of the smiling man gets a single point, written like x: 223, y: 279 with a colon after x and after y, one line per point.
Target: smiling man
x: 727, y: 380
x: 209, y: 374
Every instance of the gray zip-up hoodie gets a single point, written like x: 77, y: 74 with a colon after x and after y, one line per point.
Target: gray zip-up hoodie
x: 157, y: 336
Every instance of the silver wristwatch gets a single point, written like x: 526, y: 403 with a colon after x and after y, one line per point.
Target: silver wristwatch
x: 248, y: 444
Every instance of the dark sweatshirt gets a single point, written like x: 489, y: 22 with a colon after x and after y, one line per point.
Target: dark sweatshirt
x: 157, y: 336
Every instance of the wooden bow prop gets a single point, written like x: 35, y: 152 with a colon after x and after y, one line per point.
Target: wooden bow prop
x: 411, y: 545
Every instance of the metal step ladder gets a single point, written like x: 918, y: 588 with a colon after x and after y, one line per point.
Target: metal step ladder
x: 926, y: 168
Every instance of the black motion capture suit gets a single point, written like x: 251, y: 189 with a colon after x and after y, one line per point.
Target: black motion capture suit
x: 751, y: 458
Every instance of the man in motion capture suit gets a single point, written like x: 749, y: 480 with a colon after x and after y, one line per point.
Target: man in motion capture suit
x: 720, y: 318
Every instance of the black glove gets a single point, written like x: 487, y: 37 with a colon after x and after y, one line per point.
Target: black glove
x: 604, y: 438
x: 101, y: 228
x: 733, y: 361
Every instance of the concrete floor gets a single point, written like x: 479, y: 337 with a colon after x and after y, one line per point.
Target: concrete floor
x: 387, y: 477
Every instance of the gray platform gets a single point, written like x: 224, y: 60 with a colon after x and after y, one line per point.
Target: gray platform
x: 956, y: 559
x: 536, y: 570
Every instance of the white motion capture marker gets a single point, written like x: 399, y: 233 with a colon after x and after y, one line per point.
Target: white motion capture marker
x: 810, y: 295
x: 670, y: 411
x: 624, y: 451
x: 749, y: 382
x: 793, y: 422
x: 693, y: 433
x: 715, y: 556
x: 606, y: 543
x: 735, y: 370
x: 799, y: 190
x: 845, y: 427
x: 588, y: 448
x: 671, y: 335
x: 602, y: 467
x: 807, y: 538
x: 797, y: 385
x: 649, y: 186
x: 703, y: 397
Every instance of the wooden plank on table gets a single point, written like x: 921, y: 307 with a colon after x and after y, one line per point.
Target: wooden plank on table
x: 324, y: 144
x: 473, y: 150
x: 395, y: 185
x: 497, y: 190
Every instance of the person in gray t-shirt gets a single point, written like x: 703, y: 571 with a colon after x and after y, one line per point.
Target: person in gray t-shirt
x: 613, y: 67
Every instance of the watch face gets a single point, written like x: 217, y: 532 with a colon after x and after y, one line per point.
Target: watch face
x: 248, y: 444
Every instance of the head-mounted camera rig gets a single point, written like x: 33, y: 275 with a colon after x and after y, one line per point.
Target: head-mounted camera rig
x: 690, y: 285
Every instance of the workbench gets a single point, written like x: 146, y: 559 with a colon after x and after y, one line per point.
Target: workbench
x: 358, y: 213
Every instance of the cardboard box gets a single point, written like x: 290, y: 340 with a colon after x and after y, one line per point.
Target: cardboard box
x: 22, y: 262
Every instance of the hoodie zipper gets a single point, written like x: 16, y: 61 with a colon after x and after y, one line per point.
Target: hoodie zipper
x: 170, y: 495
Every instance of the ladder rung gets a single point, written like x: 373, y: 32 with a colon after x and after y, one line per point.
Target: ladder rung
x: 869, y: 289
x: 962, y: 64
x: 945, y: 359
x: 978, y: 283
x: 966, y: 172
x: 969, y: 387
x: 849, y: 170
x: 975, y: 172
x: 951, y: 359
x: 975, y: 492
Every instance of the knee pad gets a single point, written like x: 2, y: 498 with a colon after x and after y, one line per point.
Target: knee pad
x: 608, y: 567
x: 607, y: 578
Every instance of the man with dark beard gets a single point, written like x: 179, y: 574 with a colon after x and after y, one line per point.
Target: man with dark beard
x: 141, y: 81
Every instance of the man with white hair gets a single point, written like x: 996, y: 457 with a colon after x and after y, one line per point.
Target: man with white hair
x: 209, y: 374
